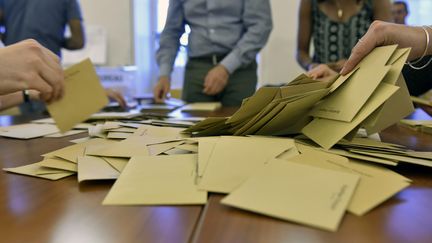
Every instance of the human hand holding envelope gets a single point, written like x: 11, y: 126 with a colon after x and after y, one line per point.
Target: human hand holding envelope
x: 84, y: 95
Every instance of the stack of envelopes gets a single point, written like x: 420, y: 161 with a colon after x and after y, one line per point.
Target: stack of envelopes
x: 373, y: 96
x: 278, y: 177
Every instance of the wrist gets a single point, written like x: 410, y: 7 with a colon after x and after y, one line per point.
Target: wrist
x: 224, y: 69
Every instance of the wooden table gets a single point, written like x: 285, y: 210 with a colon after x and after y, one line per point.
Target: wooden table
x: 36, y: 210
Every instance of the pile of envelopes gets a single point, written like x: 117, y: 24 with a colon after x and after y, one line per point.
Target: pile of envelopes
x: 278, y: 177
x: 373, y: 96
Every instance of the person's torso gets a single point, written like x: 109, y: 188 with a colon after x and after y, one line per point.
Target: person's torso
x: 216, y: 25
x: 334, y: 40
x: 42, y: 20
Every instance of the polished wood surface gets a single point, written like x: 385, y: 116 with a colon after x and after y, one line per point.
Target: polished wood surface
x: 37, y: 210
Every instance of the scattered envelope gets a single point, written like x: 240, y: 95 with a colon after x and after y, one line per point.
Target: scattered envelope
x: 157, y: 180
x: 118, y: 135
x: 58, y: 163
x: 234, y: 159
x: 117, y: 163
x: 66, y: 134
x: 32, y: 170
x: 336, y: 130
x: 28, y: 131
x: 202, y: 106
x: 94, y: 168
x: 156, y: 149
x: 84, y: 95
x: 376, y: 184
x: 298, y: 193
x: 71, y: 153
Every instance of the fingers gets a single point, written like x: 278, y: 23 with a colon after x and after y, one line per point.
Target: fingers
x: 46, y: 91
x: 215, y: 81
x: 161, y: 90
x: 47, y: 67
x: 212, y: 87
x: 320, y: 71
x: 7, y: 87
x: 55, y: 79
x: 117, y: 96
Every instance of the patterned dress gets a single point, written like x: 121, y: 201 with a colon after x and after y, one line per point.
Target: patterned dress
x: 334, y: 40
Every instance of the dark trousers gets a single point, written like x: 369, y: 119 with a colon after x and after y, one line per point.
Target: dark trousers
x: 241, y: 84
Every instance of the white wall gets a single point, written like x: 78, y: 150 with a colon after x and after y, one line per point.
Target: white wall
x: 277, y: 62
x: 116, y: 16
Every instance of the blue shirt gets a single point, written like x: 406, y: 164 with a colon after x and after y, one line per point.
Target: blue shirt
x: 42, y: 20
x: 239, y: 28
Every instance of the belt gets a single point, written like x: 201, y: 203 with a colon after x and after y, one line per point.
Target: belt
x: 213, y: 59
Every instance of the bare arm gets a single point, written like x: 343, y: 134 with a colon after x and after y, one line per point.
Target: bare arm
x: 383, y: 33
x: 304, y: 34
x: 77, y: 39
x: 382, y: 10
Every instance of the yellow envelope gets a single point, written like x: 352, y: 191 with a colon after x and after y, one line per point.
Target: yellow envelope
x: 234, y: 159
x: 117, y: 163
x: 376, y: 185
x: 291, y: 114
x: 95, y: 168
x: 58, y: 163
x: 398, y: 105
x: 71, y: 153
x: 205, y: 149
x: 84, y: 95
x: 33, y: 169
x: 255, y: 104
x: 157, y: 180
x: 28, y: 131
x: 401, y: 158
x: 118, y: 135
x: 327, y: 133
x: 156, y: 149
x: 347, y: 100
x: 66, y: 134
x: 298, y: 193
x: 201, y: 106
x: 189, y: 147
x: 133, y: 146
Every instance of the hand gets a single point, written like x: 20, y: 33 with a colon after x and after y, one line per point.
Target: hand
x: 117, y: 96
x: 28, y: 65
x: 382, y: 33
x: 216, y: 80
x: 161, y: 90
x: 321, y: 72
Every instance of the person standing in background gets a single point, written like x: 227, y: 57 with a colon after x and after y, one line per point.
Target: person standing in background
x: 400, y: 12
x: 44, y: 21
x: 334, y: 26
x: 225, y: 38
